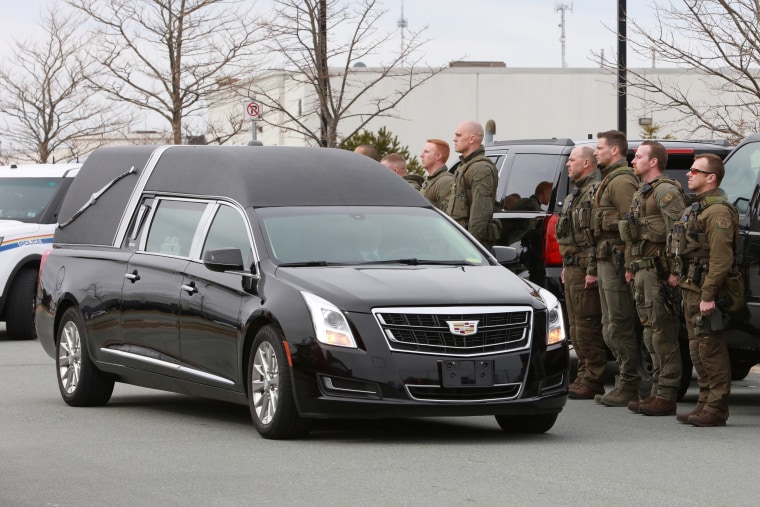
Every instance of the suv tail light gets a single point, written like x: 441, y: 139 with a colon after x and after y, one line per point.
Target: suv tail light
x: 550, y: 247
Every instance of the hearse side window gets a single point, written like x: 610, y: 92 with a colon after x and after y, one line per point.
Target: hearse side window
x: 229, y: 230
x: 173, y: 227
x: 524, y: 175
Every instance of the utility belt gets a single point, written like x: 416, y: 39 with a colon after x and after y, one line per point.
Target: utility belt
x: 655, y: 262
x: 575, y: 260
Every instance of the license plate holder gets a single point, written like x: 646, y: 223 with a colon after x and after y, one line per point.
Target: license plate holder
x: 456, y: 373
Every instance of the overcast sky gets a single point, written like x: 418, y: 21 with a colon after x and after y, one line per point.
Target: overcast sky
x: 521, y: 33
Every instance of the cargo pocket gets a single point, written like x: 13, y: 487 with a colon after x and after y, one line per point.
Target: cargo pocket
x: 644, y: 308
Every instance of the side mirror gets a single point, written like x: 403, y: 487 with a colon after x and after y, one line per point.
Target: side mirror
x: 224, y: 259
x: 505, y: 254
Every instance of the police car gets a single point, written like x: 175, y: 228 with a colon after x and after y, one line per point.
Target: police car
x: 30, y: 198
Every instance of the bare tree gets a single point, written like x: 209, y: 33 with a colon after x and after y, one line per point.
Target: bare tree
x: 165, y: 56
x: 717, y: 40
x: 226, y: 126
x: 320, y: 42
x: 44, y: 98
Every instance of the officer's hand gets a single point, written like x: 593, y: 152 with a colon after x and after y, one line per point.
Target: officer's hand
x: 673, y: 280
x: 706, y: 308
x: 629, y: 276
x: 591, y: 282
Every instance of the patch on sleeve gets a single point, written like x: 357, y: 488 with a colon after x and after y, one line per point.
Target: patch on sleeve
x: 668, y: 198
x: 723, y: 224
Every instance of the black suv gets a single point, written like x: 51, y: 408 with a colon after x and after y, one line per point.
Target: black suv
x: 523, y: 164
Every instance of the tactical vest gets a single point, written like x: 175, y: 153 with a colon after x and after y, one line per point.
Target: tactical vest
x: 644, y: 227
x: 604, y: 219
x: 460, y: 201
x: 688, y: 243
x: 573, y: 228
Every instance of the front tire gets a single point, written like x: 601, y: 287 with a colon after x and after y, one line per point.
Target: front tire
x: 270, y: 389
x: 81, y: 383
x: 20, y: 310
x: 538, y: 423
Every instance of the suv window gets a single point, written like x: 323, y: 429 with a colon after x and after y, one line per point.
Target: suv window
x: 741, y: 170
x: 24, y: 199
x: 173, y: 227
x: 533, y: 169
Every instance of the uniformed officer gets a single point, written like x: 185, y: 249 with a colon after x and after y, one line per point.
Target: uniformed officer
x: 584, y: 312
x: 473, y: 197
x: 657, y: 204
x: 397, y: 163
x: 703, y: 243
x: 612, y: 201
x: 438, y: 183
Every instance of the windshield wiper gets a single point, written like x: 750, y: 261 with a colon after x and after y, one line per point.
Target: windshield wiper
x: 417, y: 262
x: 308, y: 264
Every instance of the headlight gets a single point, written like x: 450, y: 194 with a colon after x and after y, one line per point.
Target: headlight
x: 555, y: 324
x: 330, y: 324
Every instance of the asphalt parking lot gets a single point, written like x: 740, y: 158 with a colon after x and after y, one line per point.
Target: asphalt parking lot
x: 147, y: 447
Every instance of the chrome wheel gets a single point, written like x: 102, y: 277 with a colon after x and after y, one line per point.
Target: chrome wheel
x: 69, y: 357
x: 265, y: 383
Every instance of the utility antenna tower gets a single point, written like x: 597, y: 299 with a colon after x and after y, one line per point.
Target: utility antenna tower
x: 402, y: 23
x: 562, y: 8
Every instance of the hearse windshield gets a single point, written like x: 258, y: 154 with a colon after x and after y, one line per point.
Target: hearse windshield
x: 318, y: 236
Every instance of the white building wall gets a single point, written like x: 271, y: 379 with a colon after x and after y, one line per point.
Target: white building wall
x: 523, y: 102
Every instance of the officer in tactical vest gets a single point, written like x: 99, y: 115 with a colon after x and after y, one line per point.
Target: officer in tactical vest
x: 397, y: 163
x: 576, y: 244
x: 437, y: 185
x: 657, y: 204
x: 473, y: 197
x: 612, y: 201
x: 702, y: 243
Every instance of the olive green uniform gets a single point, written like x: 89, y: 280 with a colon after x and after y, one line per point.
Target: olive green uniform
x: 473, y: 197
x: 415, y: 180
x: 584, y: 311
x: 437, y: 188
x: 528, y: 204
x: 654, y: 209
x: 703, y: 245
x: 613, y: 199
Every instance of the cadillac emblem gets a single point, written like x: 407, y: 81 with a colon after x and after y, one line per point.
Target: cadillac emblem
x: 463, y: 327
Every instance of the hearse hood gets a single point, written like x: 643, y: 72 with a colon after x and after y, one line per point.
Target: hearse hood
x: 361, y: 288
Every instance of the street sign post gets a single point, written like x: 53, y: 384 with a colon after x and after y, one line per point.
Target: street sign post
x: 252, y: 112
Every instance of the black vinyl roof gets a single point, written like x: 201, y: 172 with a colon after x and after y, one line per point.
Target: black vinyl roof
x: 263, y: 176
x: 253, y: 176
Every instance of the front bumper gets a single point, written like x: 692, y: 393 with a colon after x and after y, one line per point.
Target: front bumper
x: 375, y: 382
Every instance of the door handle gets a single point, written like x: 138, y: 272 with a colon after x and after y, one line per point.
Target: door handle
x: 132, y: 277
x: 189, y: 288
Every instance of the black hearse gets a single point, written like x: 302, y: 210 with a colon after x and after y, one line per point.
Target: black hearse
x: 304, y: 282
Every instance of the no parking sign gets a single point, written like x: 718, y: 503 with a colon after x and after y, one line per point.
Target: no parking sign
x: 252, y: 110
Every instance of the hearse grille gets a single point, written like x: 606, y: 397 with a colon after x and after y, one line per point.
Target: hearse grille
x: 456, y: 332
